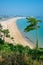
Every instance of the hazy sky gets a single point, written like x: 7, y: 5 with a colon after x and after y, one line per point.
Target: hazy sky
x: 21, y: 7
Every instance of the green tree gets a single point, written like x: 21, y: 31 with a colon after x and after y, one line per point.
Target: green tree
x: 6, y: 33
x: 3, y: 33
x: 33, y: 25
x: 1, y: 41
x: 0, y: 30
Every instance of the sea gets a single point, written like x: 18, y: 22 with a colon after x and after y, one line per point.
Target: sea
x: 31, y: 35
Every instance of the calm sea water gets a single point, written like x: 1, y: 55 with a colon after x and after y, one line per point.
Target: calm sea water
x: 22, y: 23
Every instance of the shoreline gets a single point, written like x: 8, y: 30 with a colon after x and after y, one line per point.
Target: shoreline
x: 11, y: 25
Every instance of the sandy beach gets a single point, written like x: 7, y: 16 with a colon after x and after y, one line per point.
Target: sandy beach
x: 10, y: 24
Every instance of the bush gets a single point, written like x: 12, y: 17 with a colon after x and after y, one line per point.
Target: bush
x: 19, y: 55
x: 1, y: 41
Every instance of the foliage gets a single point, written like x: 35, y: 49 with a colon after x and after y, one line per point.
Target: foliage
x: 19, y: 55
x: 1, y: 41
x: 3, y: 33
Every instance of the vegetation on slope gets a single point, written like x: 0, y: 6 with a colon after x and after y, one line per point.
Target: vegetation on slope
x: 19, y: 55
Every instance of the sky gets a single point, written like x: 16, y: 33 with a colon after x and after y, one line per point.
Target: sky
x: 21, y: 7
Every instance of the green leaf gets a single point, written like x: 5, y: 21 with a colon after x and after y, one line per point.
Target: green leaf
x: 27, y: 29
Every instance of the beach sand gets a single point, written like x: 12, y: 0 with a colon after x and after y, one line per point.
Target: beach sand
x: 11, y: 25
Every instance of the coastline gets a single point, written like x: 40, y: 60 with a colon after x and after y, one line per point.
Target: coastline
x: 11, y: 25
